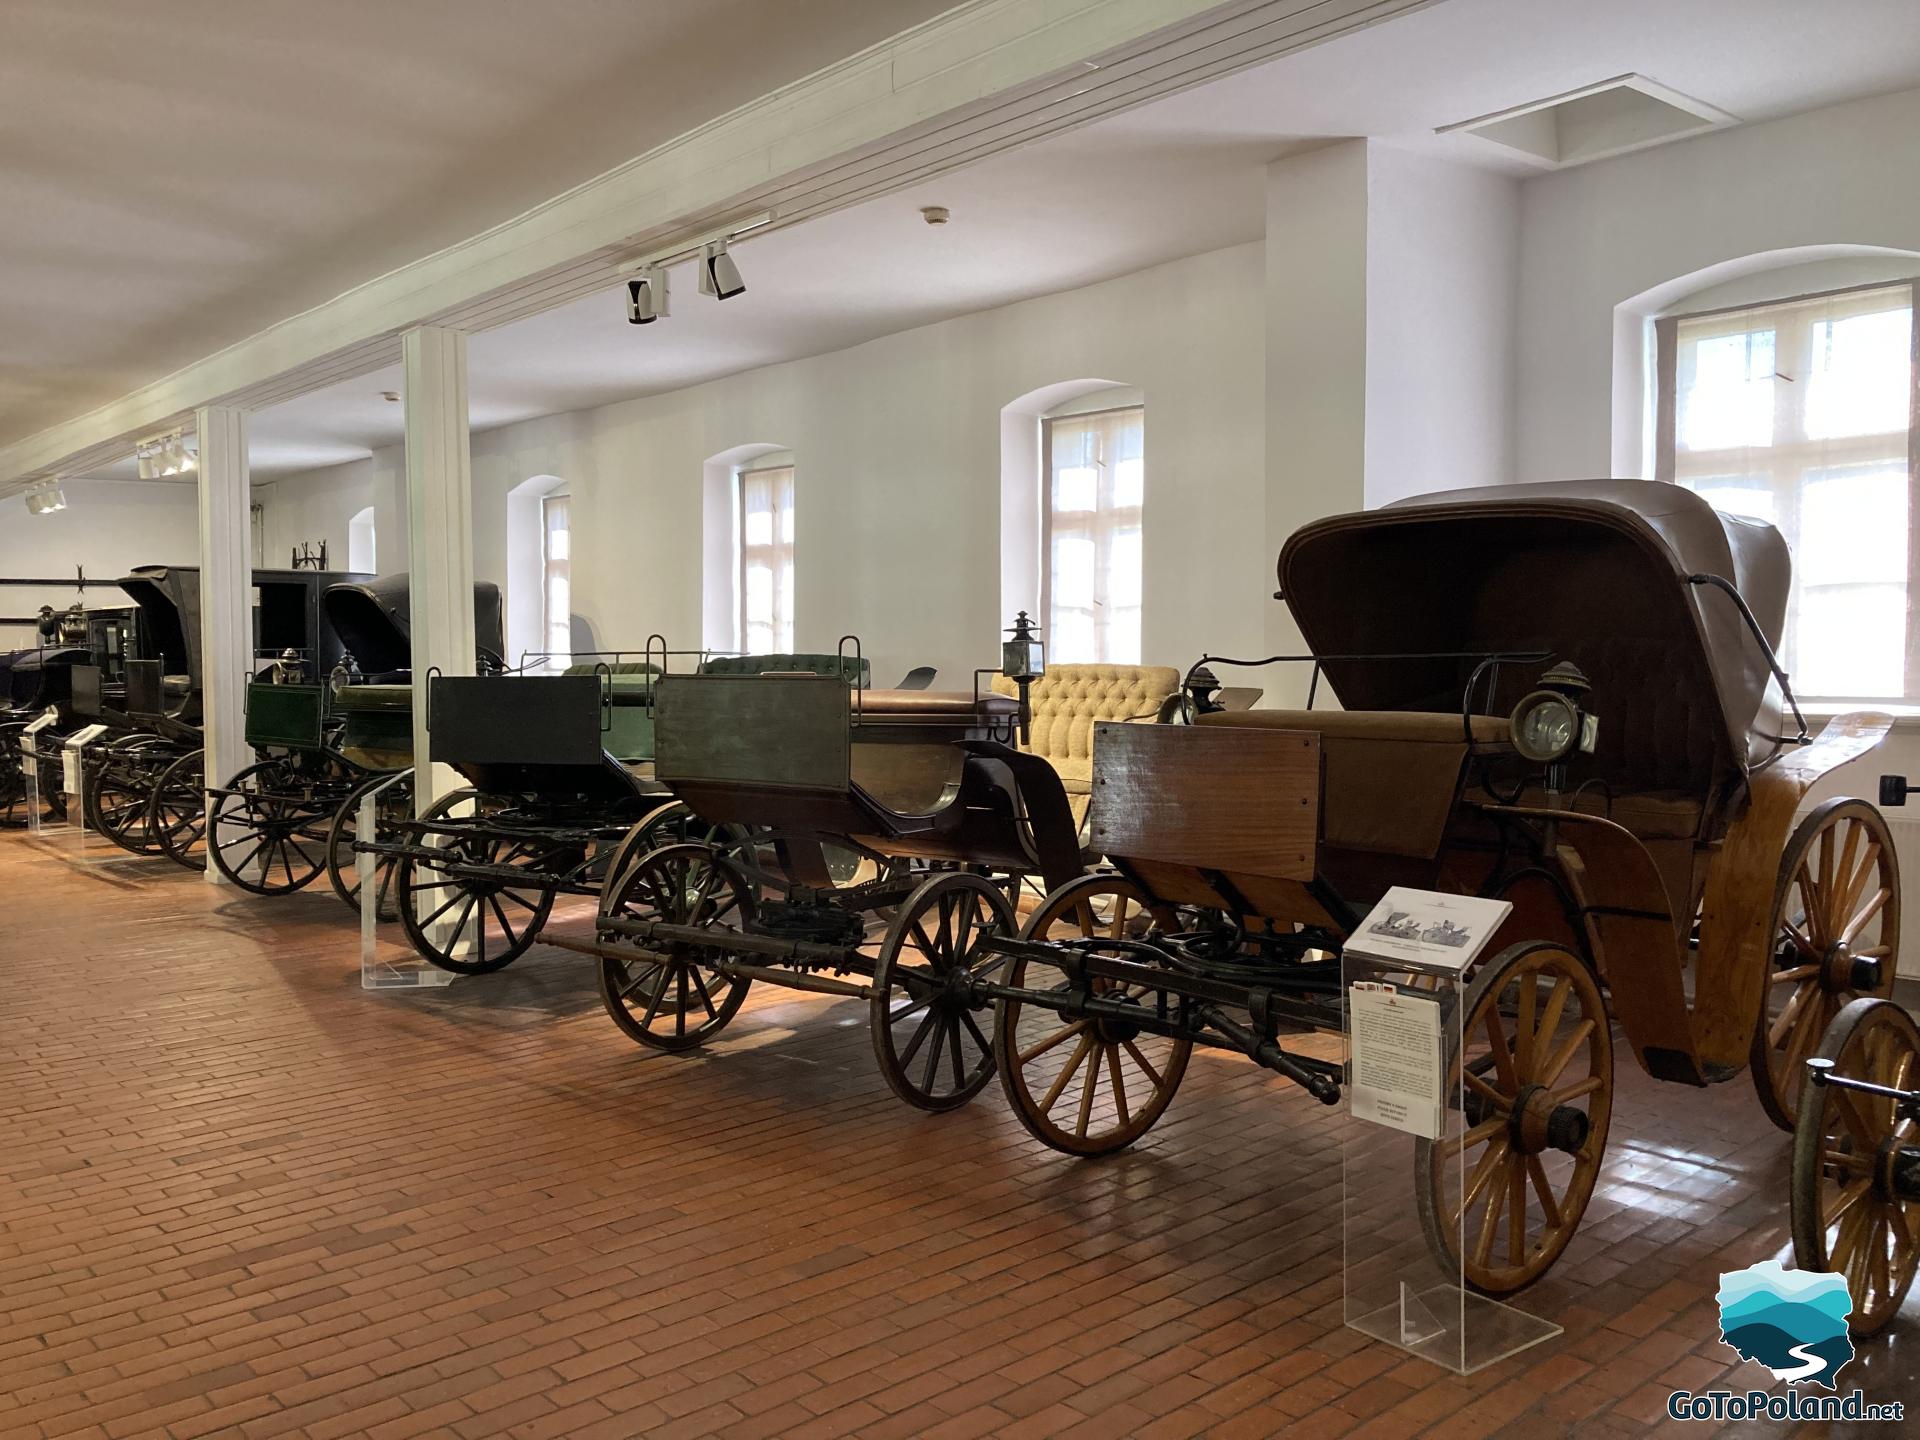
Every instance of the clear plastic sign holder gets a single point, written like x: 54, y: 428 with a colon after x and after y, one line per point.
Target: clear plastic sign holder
x: 1405, y: 1232
x: 30, y: 756
x: 389, y: 964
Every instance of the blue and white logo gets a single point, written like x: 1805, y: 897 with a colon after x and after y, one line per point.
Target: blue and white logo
x: 1794, y: 1322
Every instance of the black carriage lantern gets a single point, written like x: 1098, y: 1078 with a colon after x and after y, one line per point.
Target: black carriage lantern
x: 1023, y: 660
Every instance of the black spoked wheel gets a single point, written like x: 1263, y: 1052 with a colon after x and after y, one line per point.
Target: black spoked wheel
x: 672, y: 824
x: 13, y: 778
x: 927, y: 1034
x: 391, y: 803
x: 266, y: 832
x: 1088, y: 1086
x: 119, y: 793
x: 178, y: 817
x: 671, y: 995
x: 460, y: 912
x: 1856, y: 1206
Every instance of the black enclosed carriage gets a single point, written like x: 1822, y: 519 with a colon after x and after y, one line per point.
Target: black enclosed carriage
x: 142, y: 782
x: 924, y: 790
x: 36, y: 689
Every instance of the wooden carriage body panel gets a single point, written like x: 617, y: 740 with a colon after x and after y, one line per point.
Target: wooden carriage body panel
x: 1228, y: 818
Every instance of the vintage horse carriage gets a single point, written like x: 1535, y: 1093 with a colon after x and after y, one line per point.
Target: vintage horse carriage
x: 924, y: 790
x: 1560, y: 695
x: 325, y: 739
x: 560, y: 795
x: 146, y: 788
x: 544, y: 813
x: 141, y: 784
x: 33, y: 684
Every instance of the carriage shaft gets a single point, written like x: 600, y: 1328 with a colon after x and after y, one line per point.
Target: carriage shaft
x: 739, y: 942
x: 513, y: 876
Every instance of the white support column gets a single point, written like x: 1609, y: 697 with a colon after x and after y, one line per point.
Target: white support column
x: 226, y: 591
x: 439, y: 529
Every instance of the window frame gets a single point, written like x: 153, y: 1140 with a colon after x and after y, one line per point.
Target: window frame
x: 1666, y: 330
x: 548, y: 566
x: 1103, y: 525
x: 779, y: 553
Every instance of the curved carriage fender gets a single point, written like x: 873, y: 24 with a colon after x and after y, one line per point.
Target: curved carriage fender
x: 1631, y: 933
x: 1052, y: 832
x: 1734, y: 944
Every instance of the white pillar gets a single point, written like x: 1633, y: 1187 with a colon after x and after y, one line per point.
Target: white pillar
x: 226, y: 585
x: 439, y: 528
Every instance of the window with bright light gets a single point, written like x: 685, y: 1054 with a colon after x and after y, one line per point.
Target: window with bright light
x: 556, y: 587
x: 1801, y: 413
x: 763, y: 534
x: 361, y: 554
x: 1090, y: 541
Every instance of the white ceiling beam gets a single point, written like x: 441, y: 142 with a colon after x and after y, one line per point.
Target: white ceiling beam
x: 982, y: 78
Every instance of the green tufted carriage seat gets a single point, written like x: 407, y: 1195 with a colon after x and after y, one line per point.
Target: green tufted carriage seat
x: 789, y: 664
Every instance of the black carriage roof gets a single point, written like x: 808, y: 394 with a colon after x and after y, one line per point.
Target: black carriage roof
x: 374, y: 621
x: 22, y: 672
x: 169, y: 601
x: 1593, y: 568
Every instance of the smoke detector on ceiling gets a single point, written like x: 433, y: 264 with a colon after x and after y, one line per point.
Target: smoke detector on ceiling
x: 1609, y: 117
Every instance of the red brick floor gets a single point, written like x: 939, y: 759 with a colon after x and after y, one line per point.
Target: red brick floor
x: 241, y: 1196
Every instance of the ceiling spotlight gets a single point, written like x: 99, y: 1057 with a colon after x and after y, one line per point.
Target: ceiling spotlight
x: 935, y: 214
x: 391, y: 396
x: 719, y: 276
x: 46, y: 497
x: 647, y: 295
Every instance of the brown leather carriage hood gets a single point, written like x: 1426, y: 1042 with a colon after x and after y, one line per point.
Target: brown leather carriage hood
x: 1595, y: 571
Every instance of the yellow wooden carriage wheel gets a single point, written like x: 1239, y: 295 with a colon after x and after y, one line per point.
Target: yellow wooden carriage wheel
x: 1501, y: 1198
x: 1836, y: 937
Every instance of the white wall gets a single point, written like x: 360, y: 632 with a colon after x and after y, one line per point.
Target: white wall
x: 1605, y: 235
x: 897, y: 448
x: 1442, y: 244
x: 108, y: 528
x: 1756, y: 212
x: 317, y: 506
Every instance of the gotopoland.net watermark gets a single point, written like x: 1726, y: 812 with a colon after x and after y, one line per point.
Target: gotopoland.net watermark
x: 1724, y: 1405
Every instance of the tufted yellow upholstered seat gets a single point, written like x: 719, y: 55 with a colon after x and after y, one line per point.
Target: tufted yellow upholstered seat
x: 1068, y: 699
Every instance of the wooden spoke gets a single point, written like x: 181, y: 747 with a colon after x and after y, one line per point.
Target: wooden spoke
x: 1502, y: 1054
x: 1570, y: 1047
x: 1589, y: 1086
x: 1087, y: 1088
x: 1486, y: 1091
x: 1142, y: 1061
x: 1060, y: 1081
x: 1119, y: 1086
x: 1516, y: 1210
x: 1480, y: 1133
x: 1523, y: 1028
x: 1549, y: 1206
x: 1035, y: 1051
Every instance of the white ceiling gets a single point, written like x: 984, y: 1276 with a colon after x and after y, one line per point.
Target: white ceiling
x: 1177, y: 177
x: 179, y: 176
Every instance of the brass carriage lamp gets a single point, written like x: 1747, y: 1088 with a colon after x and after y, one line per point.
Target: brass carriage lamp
x: 1550, y: 723
x: 1023, y: 660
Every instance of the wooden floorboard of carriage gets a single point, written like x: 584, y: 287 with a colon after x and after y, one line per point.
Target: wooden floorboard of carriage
x: 239, y: 1195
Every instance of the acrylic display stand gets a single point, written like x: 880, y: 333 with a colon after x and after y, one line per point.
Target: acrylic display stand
x: 386, y: 963
x: 1402, y: 1235
x: 30, y: 743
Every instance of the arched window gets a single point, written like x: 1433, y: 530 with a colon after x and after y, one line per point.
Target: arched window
x: 749, y: 550
x: 539, y: 598
x: 361, y: 551
x: 1797, y: 410
x: 556, y: 579
x: 1093, y: 505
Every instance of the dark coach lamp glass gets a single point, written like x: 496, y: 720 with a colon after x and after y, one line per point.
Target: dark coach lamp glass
x: 1023, y: 660
x: 1548, y: 724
